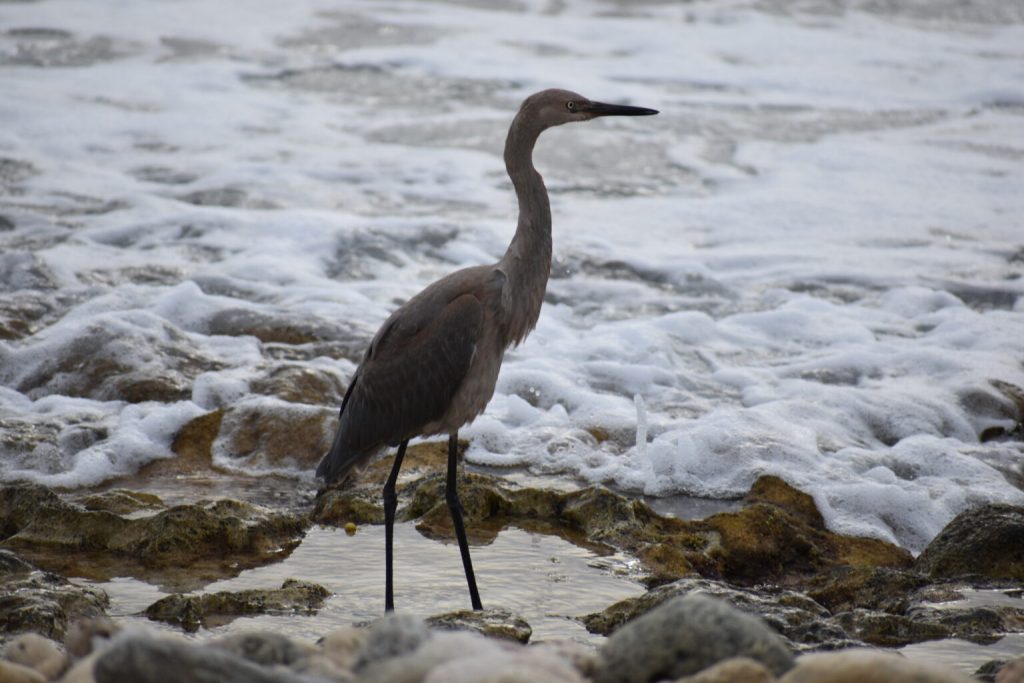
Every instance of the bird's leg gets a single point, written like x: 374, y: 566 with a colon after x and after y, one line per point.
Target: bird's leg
x: 451, y: 495
x: 390, y: 506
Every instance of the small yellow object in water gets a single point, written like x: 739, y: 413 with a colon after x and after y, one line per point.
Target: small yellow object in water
x: 350, y: 528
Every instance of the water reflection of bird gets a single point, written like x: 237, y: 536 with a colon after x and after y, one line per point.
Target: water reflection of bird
x: 433, y: 365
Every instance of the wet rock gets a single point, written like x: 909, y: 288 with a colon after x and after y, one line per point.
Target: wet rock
x: 47, y: 529
x: 733, y: 670
x: 144, y: 659
x: 40, y: 602
x: 986, y: 541
x: 790, y: 613
x: 889, y: 630
x: 37, y: 653
x: 494, y: 623
x: 301, y: 384
x: 278, y: 434
x: 877, y: 588
x: 213, y: 609
x: 684, y: 636
x: 122, y: 501
x: 280, y: 327
x: 868, y: 666
x: 983, y: 624
x: 765, y: 541
x: 118, y: 360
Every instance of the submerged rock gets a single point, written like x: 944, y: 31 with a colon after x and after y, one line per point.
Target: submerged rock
x: 684, y: 636
x: 494, y: 623
x: 40, y: 602
x: 986, y: 541
x: 63, y: 536
x: 213, y: 609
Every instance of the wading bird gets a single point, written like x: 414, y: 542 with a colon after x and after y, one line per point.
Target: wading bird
x: 432, y: 366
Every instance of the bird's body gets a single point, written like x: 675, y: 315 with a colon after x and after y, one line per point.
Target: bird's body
x: 433, y: 365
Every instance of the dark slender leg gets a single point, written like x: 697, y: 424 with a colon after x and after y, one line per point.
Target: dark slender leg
x: 451, y: 495
x: 390, y: 505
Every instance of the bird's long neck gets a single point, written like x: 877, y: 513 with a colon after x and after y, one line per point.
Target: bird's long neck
x: 527, y: 262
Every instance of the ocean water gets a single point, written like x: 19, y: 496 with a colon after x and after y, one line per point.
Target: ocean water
x: 810, y: 264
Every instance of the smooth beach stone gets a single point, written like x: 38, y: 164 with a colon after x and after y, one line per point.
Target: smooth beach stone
x: 38, y: 653
x: 264, y: 647
x: 868, y: 666
x: 17, y: 673
x: 442, y: 649
x: 391, y: 636
x: 739, y: 669
x: 144, y: 659
x: 684, y: 636
x: 343, y: 645
x: 514, y: 666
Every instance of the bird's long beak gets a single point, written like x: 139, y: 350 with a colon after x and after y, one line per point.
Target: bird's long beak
x: 602, y: 109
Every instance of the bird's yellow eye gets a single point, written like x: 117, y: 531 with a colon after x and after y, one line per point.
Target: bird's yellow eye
x: 570, y: 105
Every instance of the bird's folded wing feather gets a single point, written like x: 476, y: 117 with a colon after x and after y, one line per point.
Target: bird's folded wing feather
x: 411, y: 372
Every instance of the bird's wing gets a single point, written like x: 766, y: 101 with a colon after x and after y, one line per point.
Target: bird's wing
x: 411, y: 372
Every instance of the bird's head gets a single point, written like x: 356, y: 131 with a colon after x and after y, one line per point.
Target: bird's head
x: 554, y: 107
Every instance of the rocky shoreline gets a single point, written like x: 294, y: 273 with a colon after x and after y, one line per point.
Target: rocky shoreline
x: 766, y: 592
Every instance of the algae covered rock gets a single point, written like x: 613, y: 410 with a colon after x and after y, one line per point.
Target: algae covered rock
x: 790, y: 613
x: 35, y: 601
x: 62, y: 536
x: 122, y: 502
x: 211, y: 609
x: 877, y: 588
x: 494, y: 623
x: 277, y: 433
x: 684, y: 636
x: 986, y: 541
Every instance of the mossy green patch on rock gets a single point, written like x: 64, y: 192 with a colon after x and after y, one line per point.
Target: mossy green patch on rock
x: 212, y: 609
